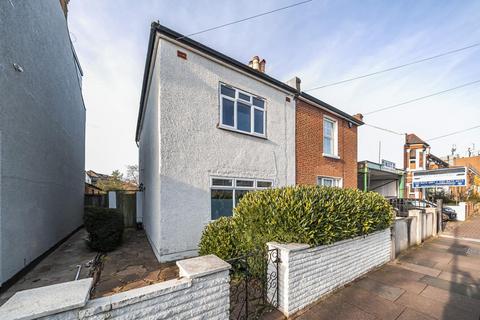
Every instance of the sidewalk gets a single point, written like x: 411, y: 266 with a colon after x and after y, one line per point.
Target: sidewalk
x: 438, y: 280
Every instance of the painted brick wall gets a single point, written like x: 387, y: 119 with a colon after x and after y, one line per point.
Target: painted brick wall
x: 310, y: 163
x: 306, y: 274
x: 201, y: 292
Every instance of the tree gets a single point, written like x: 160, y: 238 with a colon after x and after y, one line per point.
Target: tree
x: 114, y: 182
x: 132, y: 173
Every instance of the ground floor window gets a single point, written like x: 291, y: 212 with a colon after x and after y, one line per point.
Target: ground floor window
x: 329, y: 181
x: 226, y: 193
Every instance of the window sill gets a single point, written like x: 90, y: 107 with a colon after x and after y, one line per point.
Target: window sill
x: 330, y: 156
x: 242, y: 132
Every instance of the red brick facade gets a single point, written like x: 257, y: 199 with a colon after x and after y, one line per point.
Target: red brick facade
x: 310, y: 162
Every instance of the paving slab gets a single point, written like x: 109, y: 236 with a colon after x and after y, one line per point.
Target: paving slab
x: 372, y: 304
x: 436, y: 309
x: 418, y: 268
x: 459, y: 277
x: 410, y: 314
x: 334, y: 308
x: 448, y: 297
x: 468, y: 290
x: 385, y: 291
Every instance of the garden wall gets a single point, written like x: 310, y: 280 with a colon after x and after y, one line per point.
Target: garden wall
x: 201, y: 292
x: 306, y: 274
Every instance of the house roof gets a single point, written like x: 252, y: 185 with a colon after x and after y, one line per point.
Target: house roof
x: 414, y: 139
x: 156, y: 27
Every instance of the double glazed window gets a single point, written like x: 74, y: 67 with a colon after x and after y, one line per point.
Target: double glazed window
x: 241, y: 111
x: 329, y: 137
x: 329, y: 182
x: 227, y: 192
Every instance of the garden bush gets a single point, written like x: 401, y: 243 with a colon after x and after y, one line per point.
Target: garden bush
x: 104, y: 227
x: 302, y: 214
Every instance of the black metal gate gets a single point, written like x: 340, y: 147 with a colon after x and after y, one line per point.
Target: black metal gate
x: 254, y: 284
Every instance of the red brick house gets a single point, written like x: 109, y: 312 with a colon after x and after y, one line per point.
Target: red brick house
x: 325, y: 144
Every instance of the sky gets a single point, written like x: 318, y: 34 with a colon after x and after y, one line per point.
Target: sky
x: 320, y: 42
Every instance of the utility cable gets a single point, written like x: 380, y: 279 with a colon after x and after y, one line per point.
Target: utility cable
x: 396, y: 67
x: 453, y: 133
x: 383, y: 129
x: 245, y: 19
x: 423, y: 97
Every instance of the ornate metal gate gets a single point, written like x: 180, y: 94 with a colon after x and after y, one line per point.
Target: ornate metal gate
x: 254, y: 284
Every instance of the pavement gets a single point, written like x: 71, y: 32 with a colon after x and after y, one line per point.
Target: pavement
x: 438, y: 280
x: 59, y: 266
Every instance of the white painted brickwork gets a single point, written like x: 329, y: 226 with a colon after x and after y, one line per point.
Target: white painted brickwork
x: 306, y: 274
x: 201, y: 292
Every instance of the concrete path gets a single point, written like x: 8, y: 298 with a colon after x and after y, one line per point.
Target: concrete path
x: 438, y: 280
x: 59, y: 266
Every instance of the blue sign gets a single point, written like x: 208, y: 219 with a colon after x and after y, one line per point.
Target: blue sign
x: 439, y: 183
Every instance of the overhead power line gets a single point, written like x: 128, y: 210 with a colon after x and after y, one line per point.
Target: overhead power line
x: 244, y: 19
x: 383, y: 129
x: 453, y: 133
x: 396, y: 67
x: 422, y: 98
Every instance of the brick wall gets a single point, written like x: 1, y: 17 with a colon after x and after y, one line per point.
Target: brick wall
x: 310, y: 163
x: 306, y: 274
x: 201, y: 292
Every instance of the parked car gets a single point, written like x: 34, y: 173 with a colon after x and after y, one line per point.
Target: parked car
x: 450, y: 213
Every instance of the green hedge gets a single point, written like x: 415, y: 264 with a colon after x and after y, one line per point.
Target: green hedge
x: 105, y: 228
x: 302, y: 214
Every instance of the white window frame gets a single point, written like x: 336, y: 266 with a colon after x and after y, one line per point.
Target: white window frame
x: 234, y: 187
x: 334, y: 137
x: 252, y: 110
x: 337, y: 181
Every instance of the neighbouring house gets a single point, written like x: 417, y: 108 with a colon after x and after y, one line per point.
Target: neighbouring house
x: 325, y: 143
x: 427, y: 171
x: 42, y: 132
x: 210, y: 129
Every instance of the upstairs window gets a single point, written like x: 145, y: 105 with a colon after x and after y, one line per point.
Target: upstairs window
x: 330, y: 137
x: 242, y: 111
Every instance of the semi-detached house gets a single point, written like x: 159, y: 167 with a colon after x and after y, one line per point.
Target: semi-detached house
x: 211, y: 129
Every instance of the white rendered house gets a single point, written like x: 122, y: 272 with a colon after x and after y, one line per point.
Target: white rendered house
x: 209, y: 130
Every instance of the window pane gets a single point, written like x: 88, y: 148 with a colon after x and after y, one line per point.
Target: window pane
x: 327, y: 128
x: 222, y: 203
x: 222, y: 182
x: 245, y: 183
x: 258, y: 121
x: 327, y: 145
x: 227, y: 112
x: 227, y: 91
x: 243, y: 117
x: 264, y: 184
x: 327, y: 182
x: 258, y: 102
x: 239, y: 195
x: 244, y: 96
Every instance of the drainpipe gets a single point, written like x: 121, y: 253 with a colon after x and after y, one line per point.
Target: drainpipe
x: 365, y: 177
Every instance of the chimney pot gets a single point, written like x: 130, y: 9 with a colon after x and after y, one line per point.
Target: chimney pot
x: 262, y: 65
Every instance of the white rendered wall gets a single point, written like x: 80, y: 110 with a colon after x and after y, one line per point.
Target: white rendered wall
x: 185, y: 148
x: 42, y: 124
x: 306, y: 274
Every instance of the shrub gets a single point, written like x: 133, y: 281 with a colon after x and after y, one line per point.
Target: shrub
x: 302, y: 214
x: 105, y: 228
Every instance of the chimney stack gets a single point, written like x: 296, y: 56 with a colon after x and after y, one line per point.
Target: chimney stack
x: 256, y: 64
x: 295, y: 83
x: 358, y: 116
x: 64, y: 5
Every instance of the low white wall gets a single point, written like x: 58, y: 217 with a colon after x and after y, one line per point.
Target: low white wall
x: 201, y: 292
x: 306, y: 274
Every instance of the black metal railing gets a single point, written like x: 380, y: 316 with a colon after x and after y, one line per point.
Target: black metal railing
x: 401, y: 206
x: 254, y: 284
